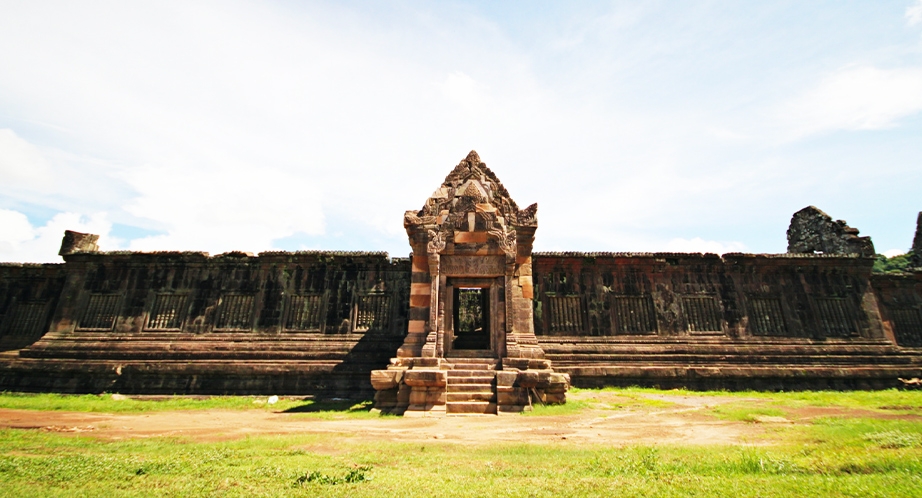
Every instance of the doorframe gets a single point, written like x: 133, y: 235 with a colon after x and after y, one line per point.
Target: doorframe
x: 448, y: 301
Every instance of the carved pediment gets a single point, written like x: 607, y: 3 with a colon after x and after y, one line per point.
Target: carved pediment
x: 473, y: 188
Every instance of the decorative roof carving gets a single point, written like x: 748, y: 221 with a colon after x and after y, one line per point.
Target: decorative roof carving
x: 471, y: 186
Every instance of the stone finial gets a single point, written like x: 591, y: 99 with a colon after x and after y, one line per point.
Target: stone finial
x: 78, y: 242
x: 813, y: 231
x: 915, y: 254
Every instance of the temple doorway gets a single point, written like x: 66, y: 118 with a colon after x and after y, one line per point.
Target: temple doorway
x: 471, y: 318
x: 470, y: 321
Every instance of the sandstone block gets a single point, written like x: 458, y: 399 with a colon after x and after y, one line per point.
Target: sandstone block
x: 385, y: 379
x: 426, y: 378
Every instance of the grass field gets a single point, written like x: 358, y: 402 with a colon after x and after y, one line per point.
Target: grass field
x: 873, y: 449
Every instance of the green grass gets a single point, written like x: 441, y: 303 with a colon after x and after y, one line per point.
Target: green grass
x: 874, y: 454
x: 109, y: 403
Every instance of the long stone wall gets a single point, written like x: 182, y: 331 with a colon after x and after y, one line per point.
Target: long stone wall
x: 737, y: 321
x: 319, y: 322
x: 307, y: 322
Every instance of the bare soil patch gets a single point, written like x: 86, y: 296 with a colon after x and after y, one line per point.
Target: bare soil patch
x: 680, y: 420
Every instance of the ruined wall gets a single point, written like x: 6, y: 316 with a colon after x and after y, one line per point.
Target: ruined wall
x: 900, y: 299
x: 28, y: 296
x: 739, y: 295
x: 331, y: 293
x: 307, y: 322
x: 813, y: 231
x: 318, y: 323
x: 738, y: 321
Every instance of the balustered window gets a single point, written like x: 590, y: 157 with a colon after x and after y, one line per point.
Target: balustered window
x: 837, y: 319
x: 101, y: 312
x: 304, y: 312
x: 634, y: 314
x: 26, y: 319
x: 702, y: 314
x: 907, y: 325
x: 766, y: 317
x: 565, y: 314
x: 371, y: 312
x: 167, y: 312
x: 235, y: 312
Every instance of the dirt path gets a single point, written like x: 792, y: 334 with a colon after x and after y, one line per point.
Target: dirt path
x: 671, y: 419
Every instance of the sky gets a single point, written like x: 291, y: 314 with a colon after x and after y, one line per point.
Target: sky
x: 694, y: 126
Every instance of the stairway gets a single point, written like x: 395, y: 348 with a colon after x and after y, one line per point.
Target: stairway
x: 471, y: 386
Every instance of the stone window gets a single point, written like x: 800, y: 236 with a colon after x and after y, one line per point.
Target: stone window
x: 167, y: 312
x: 907, y: 324
x: 371, y: 312
x: 235, y: 312
x: 26, y: 319
x: 634, y: 314
x: 702, y: 314
x: 101, y: 311
x: 304, y: 312
x: 766, y: 317
x: 565, y: 314
x: 835, y: 316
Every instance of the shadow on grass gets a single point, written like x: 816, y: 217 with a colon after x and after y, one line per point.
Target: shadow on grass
x: 345, y: 406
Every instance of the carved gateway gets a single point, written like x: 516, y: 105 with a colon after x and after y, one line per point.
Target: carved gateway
x: 470, y: 304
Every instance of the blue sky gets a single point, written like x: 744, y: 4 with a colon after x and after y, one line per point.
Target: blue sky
x: 636, y: 126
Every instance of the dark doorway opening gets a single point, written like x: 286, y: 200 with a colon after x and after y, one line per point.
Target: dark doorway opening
x: 471, y: 318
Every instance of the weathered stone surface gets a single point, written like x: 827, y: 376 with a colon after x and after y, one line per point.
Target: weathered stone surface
x: 284, y: 323
x: 78, y: 242
x: 425, y: 378
x: 813, y: 231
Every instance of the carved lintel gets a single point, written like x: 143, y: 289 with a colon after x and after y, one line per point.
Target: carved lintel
x: 472, y: 266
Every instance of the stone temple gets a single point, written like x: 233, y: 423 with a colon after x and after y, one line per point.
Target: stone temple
x: 472, y: 322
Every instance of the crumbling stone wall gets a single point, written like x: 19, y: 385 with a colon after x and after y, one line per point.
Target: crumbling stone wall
x: 185, y: 322
x: 813, y: 231
x: 679, y: 294
x: 28, y: 296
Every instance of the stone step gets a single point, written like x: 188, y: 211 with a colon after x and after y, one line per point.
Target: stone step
x: 453, y: 397
x: 471, y: 373
x: 470, y: 407
x: 473, y: 366
x: 470, y: 388
x: 475, y: 380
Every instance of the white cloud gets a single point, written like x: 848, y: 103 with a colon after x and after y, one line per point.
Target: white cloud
x: 236, y: 207
x: 231, y: 125
x: 855, y: 98
x: 21, y: 242
x: 464, y: 90
x: 21, y: 162
x: 698, y: 244
x: 893, y: 253
x: 914, y: 13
